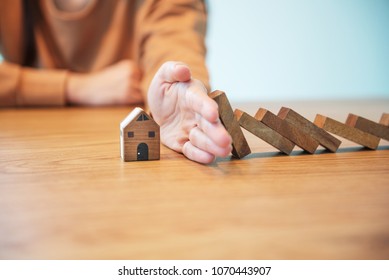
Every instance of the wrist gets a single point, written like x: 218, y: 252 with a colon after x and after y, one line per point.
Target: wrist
x: 74, y: 85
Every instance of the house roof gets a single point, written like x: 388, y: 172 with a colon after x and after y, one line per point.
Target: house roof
x: 133, y: 116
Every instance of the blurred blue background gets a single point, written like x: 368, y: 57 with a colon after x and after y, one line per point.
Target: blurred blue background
x: 300, y: 49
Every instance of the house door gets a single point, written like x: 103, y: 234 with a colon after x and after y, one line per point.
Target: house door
x: 143, y: 152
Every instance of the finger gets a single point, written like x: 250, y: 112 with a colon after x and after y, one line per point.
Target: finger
x: 200, y: 140
x: 215, y: 131
x: 125, y: 69
x: 198, y: 100
x: 196, y: 154
x: 173, y: 71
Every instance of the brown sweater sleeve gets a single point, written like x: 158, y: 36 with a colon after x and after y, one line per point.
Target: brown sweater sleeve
x: 171, y: 30
x: 22, y: 86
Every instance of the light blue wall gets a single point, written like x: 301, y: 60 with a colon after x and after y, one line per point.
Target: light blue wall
x: 284, y: 49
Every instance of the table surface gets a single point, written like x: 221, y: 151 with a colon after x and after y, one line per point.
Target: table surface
x: 66, y: 194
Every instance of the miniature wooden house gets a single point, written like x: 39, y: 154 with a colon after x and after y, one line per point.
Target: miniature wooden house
x: 139, y: 137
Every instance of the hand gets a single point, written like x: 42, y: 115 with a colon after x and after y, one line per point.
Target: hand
x: 117, y: 84
x: 188, y: 118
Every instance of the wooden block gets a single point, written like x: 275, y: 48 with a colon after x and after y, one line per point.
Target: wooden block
x: 264, y: 132
x: 240, y: 147
x: 324, y: 138
x: 385, y: 119
x: 358, y: 136
x: 288, y: 130
x: 139, y: 137
x: 379, y: 130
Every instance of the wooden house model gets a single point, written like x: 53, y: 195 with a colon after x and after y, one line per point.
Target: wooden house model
x: 139, y: 137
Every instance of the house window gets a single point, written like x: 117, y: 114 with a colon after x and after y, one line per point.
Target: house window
x: 142, y: 117
x: 151, y: 134
x: 130, y: 134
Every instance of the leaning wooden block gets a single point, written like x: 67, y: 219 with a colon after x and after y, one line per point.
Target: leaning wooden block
x: 324, y: 138
x: 358, y: 136
x: 379, y: 130
x: 240, y: 147
x: 288, y: 130
x: 385, y: 119
x: 264, y: 132
x: 139, y: 137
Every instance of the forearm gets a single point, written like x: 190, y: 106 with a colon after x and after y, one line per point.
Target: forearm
x: 22, y: 86
x: 174, y: 31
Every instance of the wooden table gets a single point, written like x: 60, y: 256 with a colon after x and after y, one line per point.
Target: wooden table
x: 66, y: 194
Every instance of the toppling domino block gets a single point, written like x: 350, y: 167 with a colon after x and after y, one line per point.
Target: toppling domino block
x: 288, y: 130
x: 379, y: 130
x: 264, y: 132
x: 240, y: 147
x: 324, y: 138
x: 356, y: 135
x: 385, y: 119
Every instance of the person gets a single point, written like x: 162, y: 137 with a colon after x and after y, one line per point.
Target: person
x: 96, y: 53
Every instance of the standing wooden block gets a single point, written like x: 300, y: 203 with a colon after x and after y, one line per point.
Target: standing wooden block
x: 385, y: 119
x: 368, y: 126
x: 358, y: 136
x: 264, y: 132
x: 324, y: 138
x: 291, y: 132
x: 139, y: 137
x: 240, y: 147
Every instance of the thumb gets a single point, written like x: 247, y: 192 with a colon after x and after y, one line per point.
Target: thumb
x: 174, y: 71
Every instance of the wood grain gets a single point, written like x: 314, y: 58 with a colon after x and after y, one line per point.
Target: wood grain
x: 240, y: 147
x: 325, y: 139
x: 65, y: 193
x: 345, y: 131
x: 379, y: 130
x: 291, y: 132
x: 385, y: 119
x: 264, y: 132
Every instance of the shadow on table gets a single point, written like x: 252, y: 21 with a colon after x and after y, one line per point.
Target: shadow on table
x: 298, y: 153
